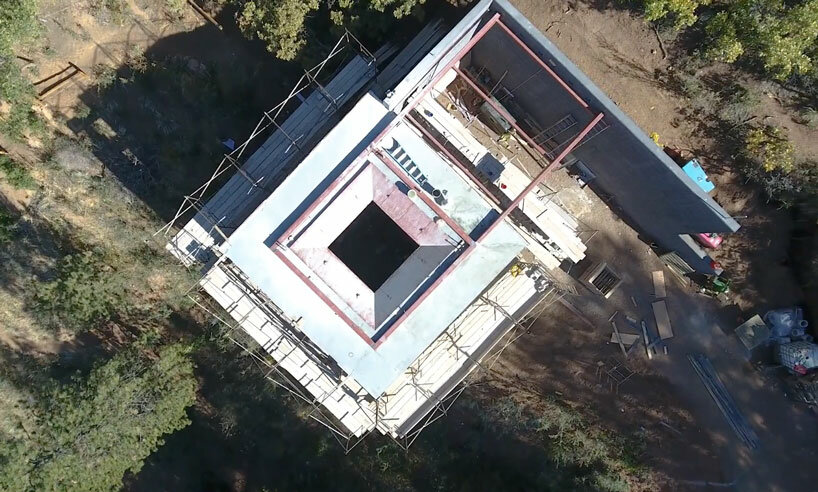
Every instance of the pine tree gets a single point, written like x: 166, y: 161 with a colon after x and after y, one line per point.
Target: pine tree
x: 90, y: 432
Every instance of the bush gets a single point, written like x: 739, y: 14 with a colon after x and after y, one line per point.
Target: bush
x: 683, y: 11
x: 90, y: 431
x: 281, y: 23
x: 782, y: 37
x: 769, y: 146
x: 175, y: 8
x: 808, y: 117
x: 84, y: 294
x: 105, y: 76
x: 18, y: 25
x: 8, y: 225
x: 16, y: 175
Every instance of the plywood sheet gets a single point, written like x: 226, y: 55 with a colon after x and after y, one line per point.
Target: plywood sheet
x: 627, y: 338
x: 662, y: 319
x: 659, y: 284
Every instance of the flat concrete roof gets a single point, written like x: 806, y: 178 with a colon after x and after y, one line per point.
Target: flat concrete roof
x: 252, y: 246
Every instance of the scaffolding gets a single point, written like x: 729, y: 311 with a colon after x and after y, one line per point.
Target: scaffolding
x: 373, y: 411
x: 347, y: 48
x: 476, y: 367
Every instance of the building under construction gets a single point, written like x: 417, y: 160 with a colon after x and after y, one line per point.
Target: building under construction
x: 379, y: 237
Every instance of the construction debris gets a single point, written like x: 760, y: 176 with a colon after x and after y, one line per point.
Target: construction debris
x: 752, y: 334
x: 627, y: 338
x: 616, y: 373
x: 619, y: 339
x: 659, y: 290
x: 701, y: 364
x: 601, y: 279
x: 662, y: 319
x: 647, y: 342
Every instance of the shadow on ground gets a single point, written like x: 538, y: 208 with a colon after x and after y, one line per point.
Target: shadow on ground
x: 246, y: 435
x: 159, y: 120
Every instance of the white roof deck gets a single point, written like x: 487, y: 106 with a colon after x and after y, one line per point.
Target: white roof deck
x: 375, y: 369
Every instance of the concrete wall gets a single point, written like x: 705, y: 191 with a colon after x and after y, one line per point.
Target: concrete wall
x: 651, y: 190
x: 541, y: 96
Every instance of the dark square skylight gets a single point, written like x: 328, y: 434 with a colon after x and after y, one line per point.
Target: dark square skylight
x: 373, y: 246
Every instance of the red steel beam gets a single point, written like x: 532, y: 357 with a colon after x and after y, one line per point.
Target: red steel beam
x: 419, y: 97
x: 389, y: 161
x: 448, y: 154
x: 542, y: 64
x: 500, y: 110
x: 460, y: 54
x: 471, y: 247
x: 341, y: 179
x: 543, y: 174
x: 516, y: 202
x: 399, y: 117
x: 371, y: 147
x: 304, y: 278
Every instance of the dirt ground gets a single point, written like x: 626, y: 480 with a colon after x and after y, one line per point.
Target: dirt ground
x: 620, y: 53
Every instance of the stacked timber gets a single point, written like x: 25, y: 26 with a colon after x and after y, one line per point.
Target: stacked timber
x: 455, y: 353
x: 345, y: 400
x: 738, y: 422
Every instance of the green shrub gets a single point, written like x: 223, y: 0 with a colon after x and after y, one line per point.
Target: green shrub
x: 281, y: 24
x: 105, y: 76
x: 89, y: 432
x: 808, y: 117
x: 84, y: 294
x: 769, y: 146
x: 175, y: 8
x: 782, y: 37
x: 8, y: 226
x: 16, y: 174
x: 18, y: 25
x: 682, y: 11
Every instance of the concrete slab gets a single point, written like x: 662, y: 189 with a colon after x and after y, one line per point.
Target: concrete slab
x: 373, y: 368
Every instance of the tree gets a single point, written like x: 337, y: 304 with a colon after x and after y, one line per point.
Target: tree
x: 769, y: 146
x: 781, y: 35
x: 84, y: 293
x: 18, y: 24
x: 282, y: 24
x: 684, y: 11
x: 90, y: 432
x: 279, y: 23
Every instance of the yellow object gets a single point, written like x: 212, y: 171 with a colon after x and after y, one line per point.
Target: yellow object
x: 655, y: 137
x: 516, y: 270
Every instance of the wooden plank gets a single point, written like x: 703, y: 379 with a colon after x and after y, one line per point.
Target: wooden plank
x: 662, y: 319
x: 659, y: 284
x: 618, y: 338
x: 627, y: 338
x: 647, y: 342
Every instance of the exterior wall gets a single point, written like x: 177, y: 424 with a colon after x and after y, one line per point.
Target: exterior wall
x: 425, y: 71
x: 651, y: 190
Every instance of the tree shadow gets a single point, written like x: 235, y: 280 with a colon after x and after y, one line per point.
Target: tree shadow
x: 247, y: 435
x: 159, y: 119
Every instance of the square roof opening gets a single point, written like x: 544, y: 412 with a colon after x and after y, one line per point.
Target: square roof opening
x: 373, y: 246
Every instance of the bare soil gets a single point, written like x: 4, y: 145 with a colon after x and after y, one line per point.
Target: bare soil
x: 620, y: 53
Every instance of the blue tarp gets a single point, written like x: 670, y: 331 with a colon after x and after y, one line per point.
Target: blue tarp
x: 696, y: 173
